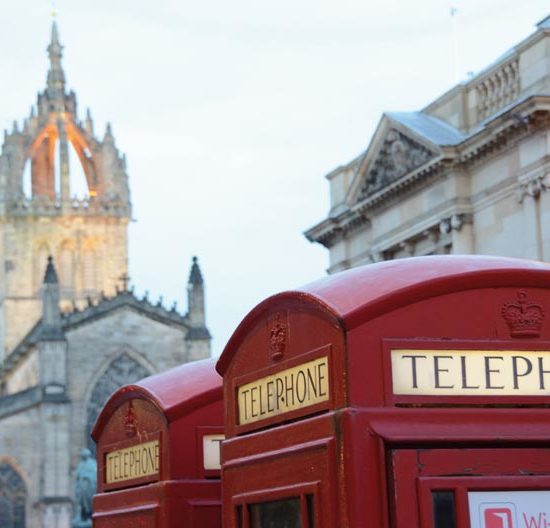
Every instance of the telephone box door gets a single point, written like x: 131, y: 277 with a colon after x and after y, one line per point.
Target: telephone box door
x: 470, y: 488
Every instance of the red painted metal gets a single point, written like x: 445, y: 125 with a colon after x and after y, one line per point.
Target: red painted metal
x: 417, y: 474
x: 338, y: 453
x: 177, y: 408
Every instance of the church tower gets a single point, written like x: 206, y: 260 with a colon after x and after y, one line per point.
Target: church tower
x: 46, y: 210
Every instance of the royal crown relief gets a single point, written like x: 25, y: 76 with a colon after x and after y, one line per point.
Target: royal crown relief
x: 130, y: 421
x: 137, y: 461
x: 524, y: 318
x: 278, y: 336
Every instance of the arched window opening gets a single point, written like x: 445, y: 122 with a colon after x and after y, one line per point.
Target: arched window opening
x: 78, y: 182
x: 13, y: 495
x: 41, y: 263
x: 89, y: 270
x: 121, y: 371
x: 27, y: 180
x: 57, y: 170
x: 66, y: 267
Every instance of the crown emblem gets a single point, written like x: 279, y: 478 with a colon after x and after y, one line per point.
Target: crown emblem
x: 524, y: 318
x: 130, y: 421
x: 277, y: 338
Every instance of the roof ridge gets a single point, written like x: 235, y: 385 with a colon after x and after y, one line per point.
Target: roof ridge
x: 123, y: 298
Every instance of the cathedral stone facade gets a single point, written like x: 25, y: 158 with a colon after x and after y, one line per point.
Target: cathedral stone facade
x: 469, y: 173
x: 71, y: 330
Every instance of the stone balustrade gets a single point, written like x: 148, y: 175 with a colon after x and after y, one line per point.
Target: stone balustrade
x: 498, y: 89
x: 42, y: 205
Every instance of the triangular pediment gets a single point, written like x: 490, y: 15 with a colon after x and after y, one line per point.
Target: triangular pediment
x: 394, y: 152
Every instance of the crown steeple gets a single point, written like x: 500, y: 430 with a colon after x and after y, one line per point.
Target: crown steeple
x: 56, y: 76
x: 61, y: 186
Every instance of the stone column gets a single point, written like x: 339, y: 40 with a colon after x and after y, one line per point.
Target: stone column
x: 65, y: 185
x: 530, y: 195
x: 544, y: 215
x: 462, y: 234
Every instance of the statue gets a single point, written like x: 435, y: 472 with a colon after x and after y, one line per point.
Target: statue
x: 85, y: 487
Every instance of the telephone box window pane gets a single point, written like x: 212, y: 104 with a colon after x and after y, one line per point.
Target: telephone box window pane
x: 276, y: 514
x: 310, y: 511
x: 444, y: 509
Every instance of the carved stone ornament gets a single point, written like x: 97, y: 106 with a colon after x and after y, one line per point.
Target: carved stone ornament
x: 398, y: 156
x: 524, y: 318
x: 130, y: 421
x: 533, y: 187
x: 453, y: 223
x: 278, y: 335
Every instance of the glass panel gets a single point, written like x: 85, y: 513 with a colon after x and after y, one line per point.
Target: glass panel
x: 310, y: 511
x: 444, y: 509
x: 276, y: 514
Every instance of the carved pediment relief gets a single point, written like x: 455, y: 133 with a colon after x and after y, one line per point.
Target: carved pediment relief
x: 398, y: 155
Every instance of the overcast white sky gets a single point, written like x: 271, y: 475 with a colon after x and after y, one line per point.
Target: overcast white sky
x: 231, y: 113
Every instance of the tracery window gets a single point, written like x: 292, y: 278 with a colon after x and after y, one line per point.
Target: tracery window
x: 66, y: 268
x: 13, y: 494
x: 89, y: 270
x: 121, y: 371
x: 41, y: 263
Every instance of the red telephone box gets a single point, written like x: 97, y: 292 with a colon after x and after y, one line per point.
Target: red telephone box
x: 404, y: 394
x: 158, y: 444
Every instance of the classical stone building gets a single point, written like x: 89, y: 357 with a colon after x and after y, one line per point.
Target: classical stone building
x: 469, y: 173
x: 71, y: 330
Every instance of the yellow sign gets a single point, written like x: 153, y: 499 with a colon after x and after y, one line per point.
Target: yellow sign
x: 141, y: 460
x: 288, y: 390
x: 471, y: 372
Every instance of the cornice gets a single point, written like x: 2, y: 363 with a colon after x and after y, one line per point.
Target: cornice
x: 501, y: 131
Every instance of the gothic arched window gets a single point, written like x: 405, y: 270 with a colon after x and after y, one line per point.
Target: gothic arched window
x: 121, y: 371
x: 42, y: 254
x: 13, y: 494
x: 66, y: 267
x: 89, y: 271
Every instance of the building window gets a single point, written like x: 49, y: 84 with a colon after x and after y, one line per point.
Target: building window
x: 41, y: 263
x: 66, y: 269
x: 121, y: 371
x: 13, y: 495
x: 89, y: 271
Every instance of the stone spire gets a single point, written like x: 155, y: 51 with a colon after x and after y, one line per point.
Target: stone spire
x: 56, y: 76
x: 195, y: 277
x: 51, y: 315
x: 50, y: 277
x: 195, y: 296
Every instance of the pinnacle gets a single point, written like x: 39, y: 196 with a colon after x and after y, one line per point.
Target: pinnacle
x: 55, y: 35
x: 55, y: 48
x: 50, y: 277
x: 56, y: 77
x: 195, y: 277
x: 108, y: 137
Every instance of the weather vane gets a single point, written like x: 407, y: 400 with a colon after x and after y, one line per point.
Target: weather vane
x: 453, y: 12
x: 54, y: 10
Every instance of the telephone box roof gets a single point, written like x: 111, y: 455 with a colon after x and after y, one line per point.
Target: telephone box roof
x: 176, y: 392
x: 359, y: 294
